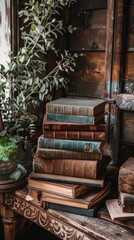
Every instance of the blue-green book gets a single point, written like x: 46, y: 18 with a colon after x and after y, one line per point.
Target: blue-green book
x: 75, y: 118
x: 72, y: 145
x: 90, y: 212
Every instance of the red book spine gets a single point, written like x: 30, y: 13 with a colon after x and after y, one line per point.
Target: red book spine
x: 75, y: 135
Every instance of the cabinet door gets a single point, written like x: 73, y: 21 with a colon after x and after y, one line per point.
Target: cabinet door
x: 105, y: 35
x: 90, y: 19
x: 94, y: 38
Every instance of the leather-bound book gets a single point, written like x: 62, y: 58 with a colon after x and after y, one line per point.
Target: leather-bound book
x: 73, y: 145
x: 67, y: 167
x: 126, y: 176
x: 76, y: 106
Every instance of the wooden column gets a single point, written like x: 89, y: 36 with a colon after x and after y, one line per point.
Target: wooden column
x: 114, y: 72
x: 8, y: 219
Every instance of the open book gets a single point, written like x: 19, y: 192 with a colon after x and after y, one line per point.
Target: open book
x: 115, y: 210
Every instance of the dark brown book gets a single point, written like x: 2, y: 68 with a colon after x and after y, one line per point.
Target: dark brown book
x: 76, y: 106
x: 126, y: 199
x: 67, y: 179
x: 127, y: 209
x: 66, y: 154
x: 68, y: 190
x: 67, y: 167
x: 88, y: 135
x: 87, y: 200
x: 126, y: 176
x: 68, y: 126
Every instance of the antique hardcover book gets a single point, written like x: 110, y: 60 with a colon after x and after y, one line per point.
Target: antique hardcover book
x: 75, y: 118
x: 126, y: 199
x: 104, y: 214
x: 67, y: 167
x: 90, y: 212
x: 66, y: 154
x: 76, y: 106
x: 87, y: 200
x: 69, y: 126
x: 126, y: 176
x: 116, y: 212
x: 82, y: 135
x: 73, y: 145
x: 68, y: 190
x: 67, y: 179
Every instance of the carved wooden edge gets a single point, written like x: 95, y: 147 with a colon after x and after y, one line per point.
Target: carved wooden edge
x: 64, y: 226
x: 44, y: 219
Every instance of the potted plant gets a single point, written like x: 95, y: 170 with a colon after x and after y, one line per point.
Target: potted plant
x: 25, y: 82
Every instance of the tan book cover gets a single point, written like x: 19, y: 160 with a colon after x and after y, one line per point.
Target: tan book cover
x: 70, y: 190
x: 116, y: 212
x: 87, y: 200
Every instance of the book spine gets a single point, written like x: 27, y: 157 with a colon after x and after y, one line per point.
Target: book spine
x: 70, y: 118
x: 68, y: 179
x: 67, y: 167
x: 66, y: 154
x: 73, y: 145
x: 127, y: 209
x: 82, y: 135
x: 84, y: 212
x: 64, y: 126
x: 68, y: 126
x: 69, y: 109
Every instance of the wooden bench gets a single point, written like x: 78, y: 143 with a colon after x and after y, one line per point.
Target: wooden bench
x: 64, y: 225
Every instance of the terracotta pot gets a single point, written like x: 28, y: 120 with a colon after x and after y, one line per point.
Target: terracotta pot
x: 6, y: 168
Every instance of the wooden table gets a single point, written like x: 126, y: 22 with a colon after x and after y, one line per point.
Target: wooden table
x: 64, y: 225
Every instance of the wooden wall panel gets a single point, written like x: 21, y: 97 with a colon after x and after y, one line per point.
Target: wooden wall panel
x: 88, y: 79
x: 130, y: 28
x: 90, y: 4
x: 127, y: 124
x: 129, y: 68
x: 90, y: 19
x: 126, y: 150
x: 91, y: 25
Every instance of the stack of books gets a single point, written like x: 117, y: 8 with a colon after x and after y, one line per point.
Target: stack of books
x: 121, y: 210
x: 70, y: 153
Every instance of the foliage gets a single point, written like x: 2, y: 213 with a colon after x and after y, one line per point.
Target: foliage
x: 25, y: 81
